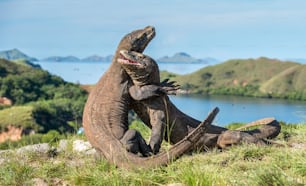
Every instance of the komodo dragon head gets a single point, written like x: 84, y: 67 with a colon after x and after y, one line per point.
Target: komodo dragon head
x: 141, y: 68
x: 137, y: 40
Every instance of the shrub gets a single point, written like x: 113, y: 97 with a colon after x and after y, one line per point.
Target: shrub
x: 55, y: 114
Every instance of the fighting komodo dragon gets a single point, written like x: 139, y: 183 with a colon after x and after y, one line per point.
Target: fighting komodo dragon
x: 144, y: 74
x: 154, y: 110
x: 105, y: 117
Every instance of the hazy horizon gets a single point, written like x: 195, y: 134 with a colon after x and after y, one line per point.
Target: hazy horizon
x: 222, y: 30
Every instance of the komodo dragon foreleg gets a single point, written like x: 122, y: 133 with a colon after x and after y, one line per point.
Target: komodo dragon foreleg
x: 132, y: 140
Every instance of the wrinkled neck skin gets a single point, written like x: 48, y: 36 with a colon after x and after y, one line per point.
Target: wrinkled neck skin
x: 141, y: 77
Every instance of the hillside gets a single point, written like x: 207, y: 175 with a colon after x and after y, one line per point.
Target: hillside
x: 251, y: 77
x: 15, y: 54
x: 41, y: 101
x: 26, y: 63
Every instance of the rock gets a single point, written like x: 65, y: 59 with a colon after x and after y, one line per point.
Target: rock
x: 83, y: 146
x: 53, y: 181
x: 298, y: 145
x: 91, y: 151
x: 39, y: 181
x: 176, y: 184
x: 37, y: 148
x: 62, y: 146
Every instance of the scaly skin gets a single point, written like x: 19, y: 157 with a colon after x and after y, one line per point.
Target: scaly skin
x: 159, y: 112
x: 105, y: 117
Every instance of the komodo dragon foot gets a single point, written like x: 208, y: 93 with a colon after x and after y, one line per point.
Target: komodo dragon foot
x: 270, y: 129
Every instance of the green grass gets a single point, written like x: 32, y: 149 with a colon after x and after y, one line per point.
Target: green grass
x: 239, y: 165
x: 18, y: 116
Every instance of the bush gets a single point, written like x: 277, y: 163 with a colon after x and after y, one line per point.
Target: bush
x: 55, y: 114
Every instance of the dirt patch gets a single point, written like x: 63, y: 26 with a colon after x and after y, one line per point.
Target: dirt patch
x: 298, y: 145
x: 11, y: 133
x: 5, y: 101
x: 87, y: 88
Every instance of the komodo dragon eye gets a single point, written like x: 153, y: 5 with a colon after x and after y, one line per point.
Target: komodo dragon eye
x: 140, y: 58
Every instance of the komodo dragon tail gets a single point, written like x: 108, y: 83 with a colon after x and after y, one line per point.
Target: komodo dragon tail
x: 263, y: 121
x: 115, y: 153
x: 270, y: 129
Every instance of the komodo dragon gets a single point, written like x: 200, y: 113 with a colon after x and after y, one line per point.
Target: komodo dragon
x: 105, y: 116
x: 152, y: 112
x: 144, y: 74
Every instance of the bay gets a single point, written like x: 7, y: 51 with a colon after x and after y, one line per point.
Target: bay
x: 232, y: 109
x: 241, y: 109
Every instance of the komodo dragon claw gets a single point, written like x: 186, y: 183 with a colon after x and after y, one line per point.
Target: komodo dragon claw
x: 169, y: 87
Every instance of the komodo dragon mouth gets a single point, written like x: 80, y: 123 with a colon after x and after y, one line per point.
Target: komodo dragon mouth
x: 130, y: 58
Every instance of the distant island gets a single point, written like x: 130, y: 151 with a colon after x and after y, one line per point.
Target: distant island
x: 15, y: 54
x: 61, y: 59
x: 93, y: 58
x: 186, y: 58
x: 96, y: 58
x: 180, y: 57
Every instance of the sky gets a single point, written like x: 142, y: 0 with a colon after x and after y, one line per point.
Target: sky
x: 221, y: 29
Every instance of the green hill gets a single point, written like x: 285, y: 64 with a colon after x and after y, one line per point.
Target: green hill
x: 260, y: 77
x: 41, y: 101
x: 26, y: 63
